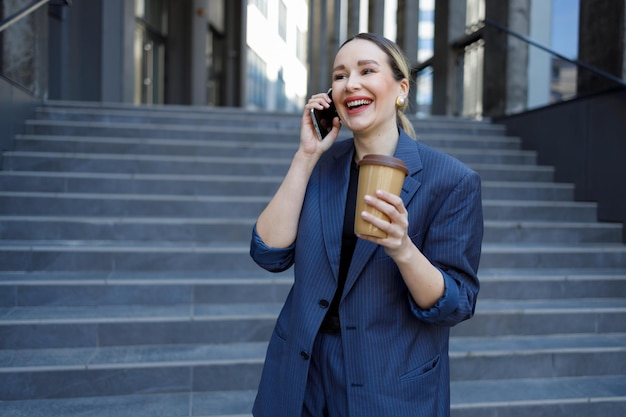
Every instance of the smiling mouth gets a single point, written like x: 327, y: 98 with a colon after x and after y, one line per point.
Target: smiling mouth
x: 358, y: 103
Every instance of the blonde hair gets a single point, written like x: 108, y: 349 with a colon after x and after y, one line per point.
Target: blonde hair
x: 400, y: 67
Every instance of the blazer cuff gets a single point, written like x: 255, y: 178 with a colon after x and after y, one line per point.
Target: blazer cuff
x: 444, y: 306
x: 271, y: 259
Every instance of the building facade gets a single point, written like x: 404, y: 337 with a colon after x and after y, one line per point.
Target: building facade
x: 272, y: 54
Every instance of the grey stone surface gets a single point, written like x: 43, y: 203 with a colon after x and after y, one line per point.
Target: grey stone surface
x: 126, y: 288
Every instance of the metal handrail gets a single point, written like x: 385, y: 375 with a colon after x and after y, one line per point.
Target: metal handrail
x: 488, y: 22
x: 16, y: 17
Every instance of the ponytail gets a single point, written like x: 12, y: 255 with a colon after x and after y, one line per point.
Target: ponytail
x: 405, y: 123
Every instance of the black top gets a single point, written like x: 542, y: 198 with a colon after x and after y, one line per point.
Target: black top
x: 348, y: 242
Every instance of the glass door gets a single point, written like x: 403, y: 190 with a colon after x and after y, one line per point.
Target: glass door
x: 150, y: 38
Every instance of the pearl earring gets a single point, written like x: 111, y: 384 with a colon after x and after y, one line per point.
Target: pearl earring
x: 400, y: 102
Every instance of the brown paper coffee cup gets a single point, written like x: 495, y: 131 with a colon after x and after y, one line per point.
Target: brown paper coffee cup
x: 377, y: 172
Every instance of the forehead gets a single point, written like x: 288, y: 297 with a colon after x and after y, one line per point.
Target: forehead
x: 360, y: 50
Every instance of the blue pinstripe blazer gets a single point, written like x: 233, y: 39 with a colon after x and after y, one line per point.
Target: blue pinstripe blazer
x: 396, y: 354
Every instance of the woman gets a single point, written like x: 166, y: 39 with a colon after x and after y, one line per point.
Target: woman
x: 364, y: 330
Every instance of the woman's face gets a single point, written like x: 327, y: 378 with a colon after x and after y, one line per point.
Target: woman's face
x: 364, y: 89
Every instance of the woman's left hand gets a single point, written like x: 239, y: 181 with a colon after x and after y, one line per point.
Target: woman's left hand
x: 397, y: 241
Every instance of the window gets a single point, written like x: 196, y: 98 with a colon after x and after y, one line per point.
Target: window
x: 301, y: 47
x: 257, y: 80
x: 261, y: 5
x: 282, y: 20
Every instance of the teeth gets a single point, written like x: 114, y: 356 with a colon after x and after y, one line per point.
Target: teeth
x: 358, y: 103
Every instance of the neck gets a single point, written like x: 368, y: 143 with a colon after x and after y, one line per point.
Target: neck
x: 377, y: 144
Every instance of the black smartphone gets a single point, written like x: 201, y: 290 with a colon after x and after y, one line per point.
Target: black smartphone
x: 323, y: 119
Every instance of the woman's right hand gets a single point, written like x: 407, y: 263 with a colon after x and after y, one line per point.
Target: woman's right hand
x: 277, y: 225
x: 309, y: 141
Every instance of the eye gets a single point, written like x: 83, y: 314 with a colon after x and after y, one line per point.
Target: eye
x: 366, y: 71
x: 339, y: 76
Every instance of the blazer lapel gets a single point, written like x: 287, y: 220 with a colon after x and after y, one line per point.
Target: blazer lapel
x: 332, y: 199
x: 407, y: 151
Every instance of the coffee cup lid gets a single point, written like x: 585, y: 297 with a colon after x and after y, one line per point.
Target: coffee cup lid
x: 386, y: 160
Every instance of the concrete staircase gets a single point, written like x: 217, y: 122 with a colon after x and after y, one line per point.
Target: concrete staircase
x: 126, y: 288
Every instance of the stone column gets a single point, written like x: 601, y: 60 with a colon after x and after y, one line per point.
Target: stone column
x: 199, y: 70
x: 601, y: 38
x: 495, y: 80
x: 376, y: 17
x: 407, y: 38
x: 354, y: 17
x: 450, y: 16
x: 318, y: 47
x: 118, y: 37
x: 337, y: 30
x: 517, y: 57
x: 178, y: 44
x: 236, y: 53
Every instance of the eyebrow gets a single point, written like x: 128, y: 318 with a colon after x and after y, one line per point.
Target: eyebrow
x: 360, y: 64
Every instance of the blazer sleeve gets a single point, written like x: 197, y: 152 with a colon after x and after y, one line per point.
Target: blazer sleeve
x: 271, y: 259
x: 453, y: 245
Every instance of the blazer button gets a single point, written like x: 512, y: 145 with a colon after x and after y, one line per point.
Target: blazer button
x: 304, y: 355
x: 324, y: 303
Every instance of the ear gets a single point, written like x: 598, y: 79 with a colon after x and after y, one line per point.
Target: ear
x: 404, y: 87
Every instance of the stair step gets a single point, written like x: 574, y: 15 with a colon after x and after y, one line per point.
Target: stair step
x: 545, y: 317
x: 131, y: 370
x: 191, y: 165
x: 139, y: 184
x: 241, y: 132
x: 207, y: 122
x: 100, y: 326
x: 234, y: 259
x: 560, y: 355
x: 25, y: 160
x: 21, y: 289
x: 220, y: 206
x: 123, y: 325
x: 169, y: 229
x: 60, y: 109
x: 232, y: 148
x: 236, y: 366
x: 143, y: 164
x: 229, y: 185
x: 523, y: 232
x: 190, y: 116
x: 34, y: 203
x: 216, y: 230
x: 255, y: 144
x: 131, y: 357
x: 512, y: 172
x: 176, y: 186
x: 196, y: 404
x: 90, y: 289
x: 563, y: 211
x: 545, y: 284
x: 554, y: 397
x: 545, y: 356
x: 553, y: 256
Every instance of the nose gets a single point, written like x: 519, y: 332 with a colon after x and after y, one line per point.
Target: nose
x: 353, y: 83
